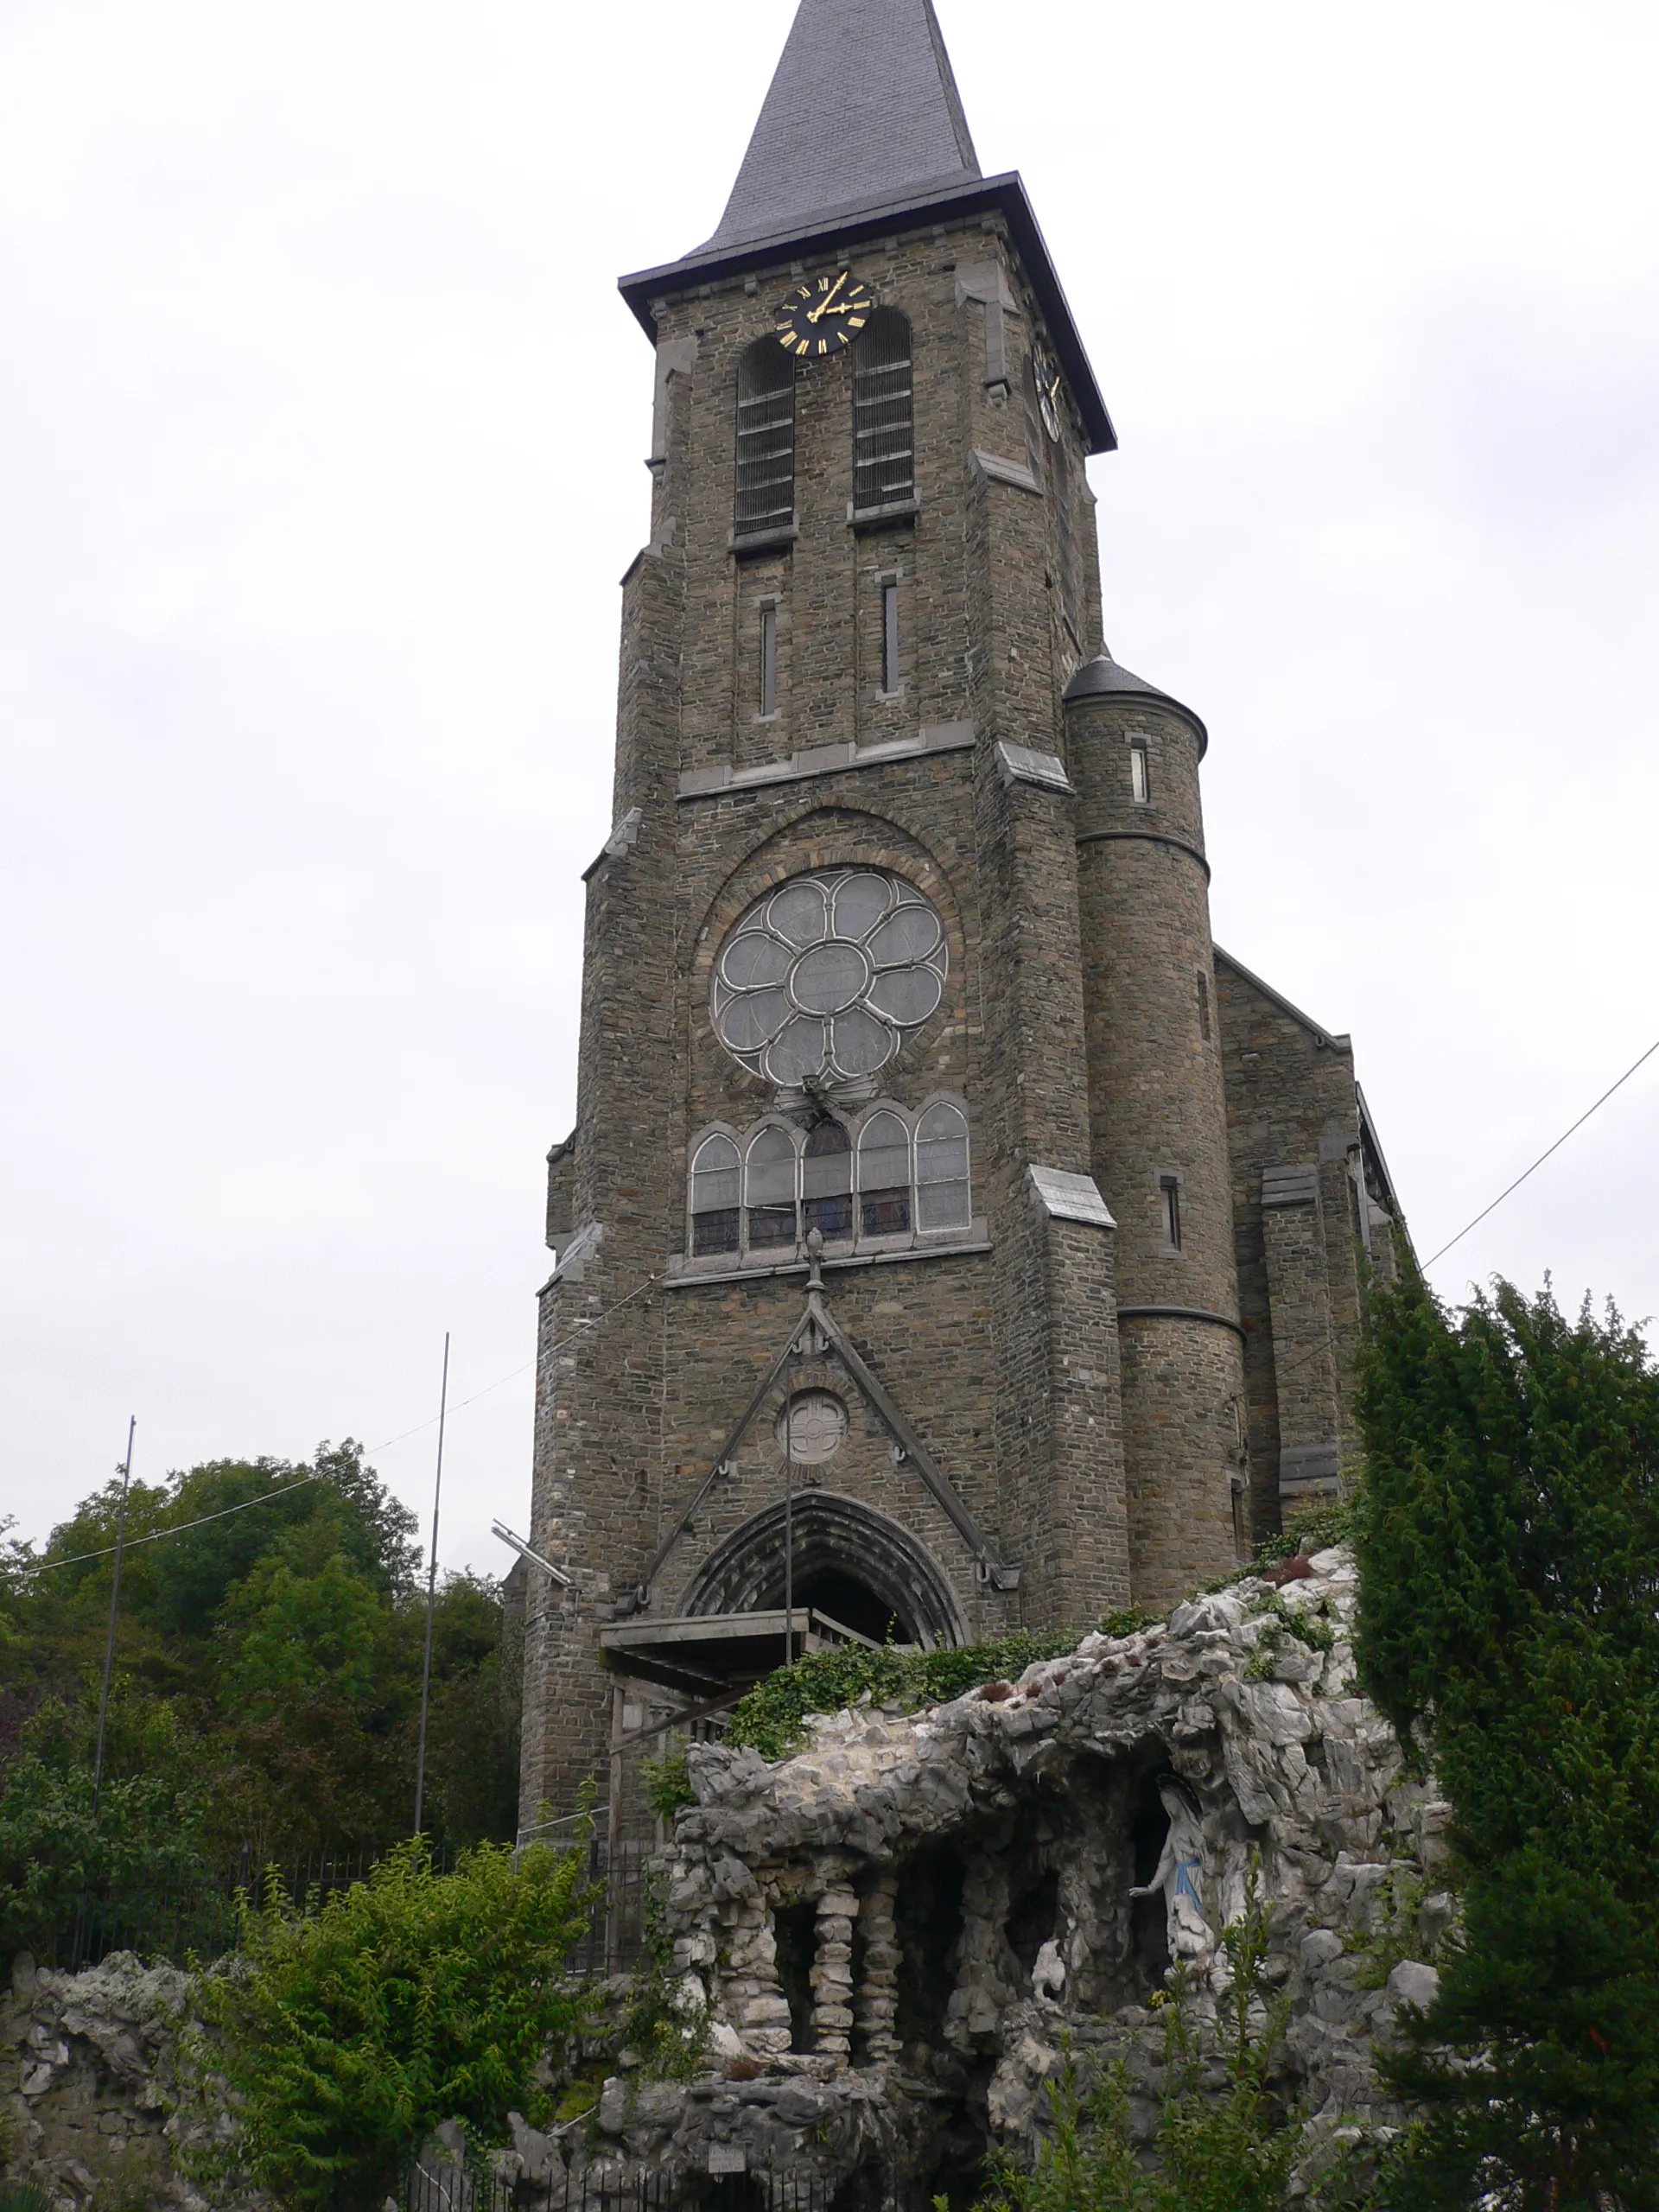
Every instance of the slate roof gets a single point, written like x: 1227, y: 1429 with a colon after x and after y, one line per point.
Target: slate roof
x: 862, y: 135
x: 1103, y: 677
x: 862, y: 106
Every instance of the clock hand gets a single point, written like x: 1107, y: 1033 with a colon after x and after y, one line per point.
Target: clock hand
x: 813, y: 314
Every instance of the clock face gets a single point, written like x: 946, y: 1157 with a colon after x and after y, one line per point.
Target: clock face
x: 824, y: 314
x: 1049, y: 402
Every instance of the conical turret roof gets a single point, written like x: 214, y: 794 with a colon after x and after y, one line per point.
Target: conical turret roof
x: 1103, y: 677
x: 862, y: 105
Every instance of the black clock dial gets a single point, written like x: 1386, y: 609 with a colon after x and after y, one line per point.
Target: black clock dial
x: 824, y: 314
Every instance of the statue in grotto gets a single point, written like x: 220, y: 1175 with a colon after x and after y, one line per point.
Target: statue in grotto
x: 1180, y: 1875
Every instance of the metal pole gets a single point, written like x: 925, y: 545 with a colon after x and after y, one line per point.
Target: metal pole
x: 431, y: 1593
x: 115, y: 1599
x: 789, y: 1522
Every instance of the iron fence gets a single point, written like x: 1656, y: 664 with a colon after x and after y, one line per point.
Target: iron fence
x: 194, y: 1910
x: 198, y: 1913
x: 619, y: 1931
x: 614, y: 2188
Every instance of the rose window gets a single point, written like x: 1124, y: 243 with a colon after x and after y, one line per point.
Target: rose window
x: 826, y: 976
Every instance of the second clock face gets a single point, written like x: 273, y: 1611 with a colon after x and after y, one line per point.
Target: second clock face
x: 824, y: 314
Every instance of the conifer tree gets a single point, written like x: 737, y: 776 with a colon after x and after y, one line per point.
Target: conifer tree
x: 1509, y: 1546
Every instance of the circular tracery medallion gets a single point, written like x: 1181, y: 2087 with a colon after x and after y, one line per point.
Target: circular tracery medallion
x: 823, y: 977
x: 815, y: 1423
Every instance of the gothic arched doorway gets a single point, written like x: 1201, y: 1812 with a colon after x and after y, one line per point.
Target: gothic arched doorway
x: 848, y: 1561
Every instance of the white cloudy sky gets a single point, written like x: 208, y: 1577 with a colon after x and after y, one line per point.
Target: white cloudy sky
x: 320, y: 428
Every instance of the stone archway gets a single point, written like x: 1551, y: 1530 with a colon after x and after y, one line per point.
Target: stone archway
x: 847, y: 1558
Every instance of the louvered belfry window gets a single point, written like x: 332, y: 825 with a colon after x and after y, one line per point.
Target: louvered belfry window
x: 884, y: 454
x: 766, y: 438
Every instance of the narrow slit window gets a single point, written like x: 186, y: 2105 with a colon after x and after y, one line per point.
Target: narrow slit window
x: 1169, y: 1193
x: 889, y: 638
x: 769, y: 1190
x: 765, y: 439
x: 884, y: 458
x: 884, y: 1176
x: 827, y: 1179
x: 769, y: 659
x: 715, y: 1177
x: 1203, y: 1005
x: 1139, y: 782
x: 942, y: 1199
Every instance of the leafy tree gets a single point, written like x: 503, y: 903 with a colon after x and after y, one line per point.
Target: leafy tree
x: 356, y: 2027
x: 276, y: 1651
x: 1509, y: 1546
x: 148, y: 1846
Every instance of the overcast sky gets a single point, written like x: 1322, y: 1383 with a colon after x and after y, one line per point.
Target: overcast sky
x: 321, y: 428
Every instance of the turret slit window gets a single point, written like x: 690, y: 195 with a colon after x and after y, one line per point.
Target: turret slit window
x: 941, y: 1186
x: 1139, y: 782
x: 884, y: 1176
x: 1169, y: 1200
x: 1203, y: 1005
x: 884, y: 458
x: 766, y: 438
x: 769, y: 659
x: 890, y: 638
x: 827, y: 1179
x: 769, y: 1188
x: 714, y: 1178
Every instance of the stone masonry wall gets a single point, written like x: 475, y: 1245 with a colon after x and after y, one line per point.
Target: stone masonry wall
x: 965, y: 1875
x: 89, y: 2071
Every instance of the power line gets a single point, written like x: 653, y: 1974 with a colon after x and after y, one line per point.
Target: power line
x: 267, y: 1497
x: 1543, y: 1156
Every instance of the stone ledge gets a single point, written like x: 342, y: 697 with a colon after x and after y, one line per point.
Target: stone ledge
x: 825, y: 760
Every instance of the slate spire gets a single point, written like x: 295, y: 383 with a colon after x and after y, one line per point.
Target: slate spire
x: 862, y: 108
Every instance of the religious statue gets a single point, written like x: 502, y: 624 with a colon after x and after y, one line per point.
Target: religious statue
x: 1180, y: 1876
x: 1048, y: 1976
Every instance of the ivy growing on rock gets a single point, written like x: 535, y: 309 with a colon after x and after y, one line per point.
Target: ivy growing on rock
x: 771, y: 1718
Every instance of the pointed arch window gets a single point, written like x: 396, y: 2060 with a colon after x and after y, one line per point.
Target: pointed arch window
x: 827, y: 1178
x: 941, y: 1180
x: 884, y: 1175
x: 883, y: 448
x: 716, y: 1175
x: 769, y: 1187
x: 765, y: 439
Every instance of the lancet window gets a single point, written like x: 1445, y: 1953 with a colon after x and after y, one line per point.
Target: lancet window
x: 888, y: 1179
x: 883, y: 444
x: 765, y: 439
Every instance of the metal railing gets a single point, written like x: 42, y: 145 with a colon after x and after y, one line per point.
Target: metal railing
x: 172, y: 1919
x: 193, y: 1912
x: 613, y: 2188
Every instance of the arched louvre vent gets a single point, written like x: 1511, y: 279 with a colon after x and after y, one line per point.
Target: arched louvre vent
x: 884, y: 456
x: 766, y: 438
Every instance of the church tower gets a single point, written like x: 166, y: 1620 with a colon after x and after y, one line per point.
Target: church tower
x: 895, y: 1292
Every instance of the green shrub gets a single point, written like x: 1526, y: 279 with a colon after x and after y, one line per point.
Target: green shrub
x: 1508, y: 1550
x: 1228, y: 2149
x: 668, y: 1785
x: 354, y: 2027
x: 771, y: 1718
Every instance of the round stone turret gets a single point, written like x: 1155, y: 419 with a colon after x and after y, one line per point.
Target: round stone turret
x: 1158, y: 1122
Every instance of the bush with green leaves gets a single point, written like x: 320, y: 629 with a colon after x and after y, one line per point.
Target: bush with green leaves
x: 1509, y: 1553
x: 1225, y: 2149
x: 349, y: 2030
x: 773, y: 1718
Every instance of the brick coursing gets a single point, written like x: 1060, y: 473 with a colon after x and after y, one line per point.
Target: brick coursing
x: 1096, y: 1456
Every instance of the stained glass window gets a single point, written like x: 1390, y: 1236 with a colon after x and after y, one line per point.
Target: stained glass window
x: 822, y: 979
